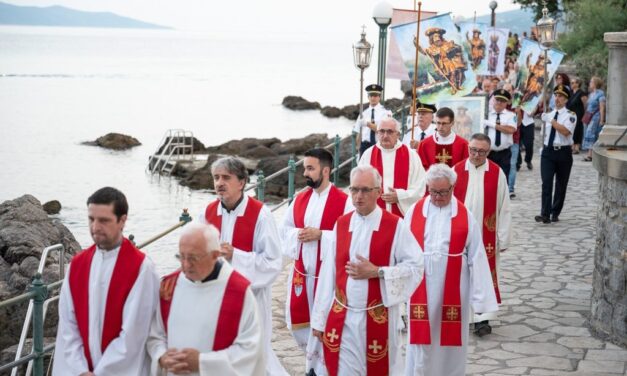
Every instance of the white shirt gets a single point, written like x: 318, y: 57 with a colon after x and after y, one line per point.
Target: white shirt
x: 527, y: 119
x: 380, y: 113
x: 566, y: 118
x: 507, y: 118
x: 418, y: 132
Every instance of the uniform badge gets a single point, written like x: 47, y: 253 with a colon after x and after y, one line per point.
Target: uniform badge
x: 573, y: 119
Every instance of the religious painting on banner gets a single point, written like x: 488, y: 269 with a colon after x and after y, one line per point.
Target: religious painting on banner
x: 395, y: 68
x: 531, y: 75
x: 475, y: 41
x: 469, y: 112
x: 497, y: 44
x: 443, y: 69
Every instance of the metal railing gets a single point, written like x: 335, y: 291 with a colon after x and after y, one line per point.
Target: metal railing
x: 174, y: 143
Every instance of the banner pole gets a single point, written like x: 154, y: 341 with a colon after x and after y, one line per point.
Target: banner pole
x: 413, y: 92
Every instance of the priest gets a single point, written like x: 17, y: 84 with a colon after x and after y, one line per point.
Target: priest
x: 457, y: 277
x: 482, y: 187
x: 249, y: 241
x: 207, y: 322
x: 423, y: 125
x: 307, y: 225
x: 444, y: 146
x: 372, y: 267
x: 402, y: 172
x: 108, y: 296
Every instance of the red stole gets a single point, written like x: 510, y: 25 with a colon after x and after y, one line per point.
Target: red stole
x: 231, y: 309
x: 401, y: 172
x: 490, y: 191
x: 431, y: 152
x: 244, y: 231
x: 377, y: 318
x: 333, y: 209
x: 125, y: 273
x: 451, y: 329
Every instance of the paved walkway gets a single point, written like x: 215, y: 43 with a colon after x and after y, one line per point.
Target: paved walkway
x: 546, y: 283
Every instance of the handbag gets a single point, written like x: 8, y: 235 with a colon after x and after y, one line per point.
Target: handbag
x: 587, y: 117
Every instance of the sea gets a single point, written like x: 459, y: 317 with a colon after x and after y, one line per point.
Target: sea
x: 62, y: 86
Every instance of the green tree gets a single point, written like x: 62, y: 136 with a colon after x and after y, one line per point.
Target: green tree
x: 587, y: 21
x: 551, y: 5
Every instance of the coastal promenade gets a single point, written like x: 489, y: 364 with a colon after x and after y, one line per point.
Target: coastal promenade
x: 546, y: 281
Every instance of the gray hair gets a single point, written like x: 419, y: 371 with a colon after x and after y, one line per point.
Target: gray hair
x: 208, y: 231
x: 367, y: 169
x: 233, y: 166
x: 397, y: 125
x: 441, y: 171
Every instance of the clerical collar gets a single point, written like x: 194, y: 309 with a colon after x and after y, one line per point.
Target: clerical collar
x: 235, y: 206
x: 444, y: 140
x: 214, y: 274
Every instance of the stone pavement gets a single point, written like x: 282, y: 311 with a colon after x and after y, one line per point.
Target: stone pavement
x: 546, y: 282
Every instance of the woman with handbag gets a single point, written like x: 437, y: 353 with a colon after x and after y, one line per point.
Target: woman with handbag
x: 594, y: 118
x: 577, y: 104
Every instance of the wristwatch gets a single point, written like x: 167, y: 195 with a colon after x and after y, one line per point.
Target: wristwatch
x: 380, y: 272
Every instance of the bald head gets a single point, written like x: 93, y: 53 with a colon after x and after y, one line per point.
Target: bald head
x: 199, y: 249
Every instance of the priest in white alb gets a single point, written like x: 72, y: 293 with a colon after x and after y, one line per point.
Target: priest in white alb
x: 307, y: 225
x: 400, y: 168
x: 249, y: 241
x: 482, y: 187
x: 369, y: 271
x: 457, y: 277
x: 207, y: 321
x: 108, y: 296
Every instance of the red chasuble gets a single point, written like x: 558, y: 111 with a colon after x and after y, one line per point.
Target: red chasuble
x: 244, y: 231
x: 377, y: 316
x: 431, y: 152
x: 451, y: 329
x: 125, y: 273
x: 333, y: 209
x: 401, y: 172
x: 490, y: 190
x: 227, y: 325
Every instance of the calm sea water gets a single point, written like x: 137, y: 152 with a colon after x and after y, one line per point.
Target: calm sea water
x: 62, y: 86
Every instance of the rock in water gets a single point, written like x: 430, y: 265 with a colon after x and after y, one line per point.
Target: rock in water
x: 52, y: 207
x: 299, y: 103
x: 25, y: 230
x: 114, y: 141
x: 331, y: 112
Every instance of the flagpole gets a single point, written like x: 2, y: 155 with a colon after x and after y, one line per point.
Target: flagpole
x: 413, y: 99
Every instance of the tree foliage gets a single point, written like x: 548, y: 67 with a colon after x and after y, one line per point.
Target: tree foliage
x: 551, y: 5
x: 587, y: 22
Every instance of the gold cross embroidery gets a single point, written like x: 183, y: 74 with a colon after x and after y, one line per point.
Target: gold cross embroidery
x: 489, y: 250
x: 451, y: 313
x: 375, y: 347
x: 443, y: 157
x: 332, y: 335
x: 419, y: 312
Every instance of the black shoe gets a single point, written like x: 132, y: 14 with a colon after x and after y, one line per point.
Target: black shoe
x: 512, y: 194
x: 529, y: 166
x: 543, y: 219
x: 555, y: 218
x: 517, y: 167
x: 482, y: 328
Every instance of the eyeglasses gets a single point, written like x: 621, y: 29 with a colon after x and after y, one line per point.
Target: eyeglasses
x: 480, y: 152
x: 383, y: 132
x: 190, y: 259
x: 440, y: 193
x: 364, y: 190
x: 442, y: 122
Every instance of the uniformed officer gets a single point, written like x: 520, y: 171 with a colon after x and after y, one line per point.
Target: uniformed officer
x: 500, y: 126
x: 370, y: 118
x: 423, y: 124
x: 556, y: 158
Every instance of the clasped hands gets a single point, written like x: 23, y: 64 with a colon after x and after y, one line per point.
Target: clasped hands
x: 363, y: 269
x: 309, y: 234
x: 180, y: 362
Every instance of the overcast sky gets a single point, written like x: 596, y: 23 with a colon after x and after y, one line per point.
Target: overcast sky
x: 270, y: 16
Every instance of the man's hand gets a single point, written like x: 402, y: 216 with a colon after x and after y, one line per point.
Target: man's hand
x: 318, y: 334
x: 172, y: 361
x: 391, y: 197
x: 414, y: 143
x: 226, y: 250
x: 309, y: 234
x: 372, y: 126
x: 87, y: 374
x: 363, y: 269
x: 190, y: 358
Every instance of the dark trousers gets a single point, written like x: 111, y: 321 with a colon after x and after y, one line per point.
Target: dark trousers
x: 503, y: 159
x: 526, y: 140
x: 363, y: 146
x: 554, y: 164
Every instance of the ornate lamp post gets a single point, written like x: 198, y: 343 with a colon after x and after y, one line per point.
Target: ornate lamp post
x: 382, y: 15
x: 547, y: 31
x: 362, y: 53
x: 493, y: 5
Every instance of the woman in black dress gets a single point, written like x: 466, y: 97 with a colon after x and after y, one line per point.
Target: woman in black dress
x: 577, y: 104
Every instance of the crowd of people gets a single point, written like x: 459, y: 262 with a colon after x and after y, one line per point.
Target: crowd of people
x: 414, y: 247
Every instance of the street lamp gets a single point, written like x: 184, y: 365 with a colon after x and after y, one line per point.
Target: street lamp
x: 493, y: 5
x: 362, y: 53
x: 382, y: 15
x: 546, y: 29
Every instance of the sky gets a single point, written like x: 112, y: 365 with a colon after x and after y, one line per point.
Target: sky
x: 271, y: 16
